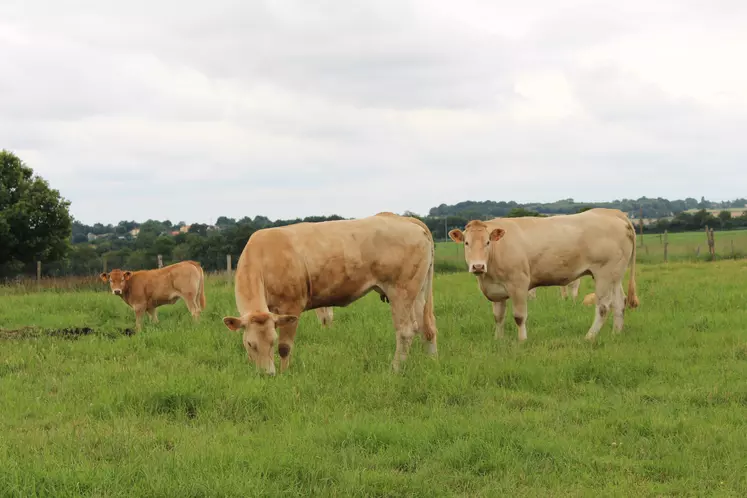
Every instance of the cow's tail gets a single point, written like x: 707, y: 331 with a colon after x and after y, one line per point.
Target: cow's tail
x: 428, y: 314
x: 429, y: 319
x: 201, y: 285
x: 633, y: 301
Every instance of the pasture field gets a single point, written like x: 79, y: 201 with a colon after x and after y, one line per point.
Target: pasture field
x: 659, y: 410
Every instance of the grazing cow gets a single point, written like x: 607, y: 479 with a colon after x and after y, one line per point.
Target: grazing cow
x: 564, y: 290
x: 146, y: 290
x: 284, y: 271
x: 510, y: 256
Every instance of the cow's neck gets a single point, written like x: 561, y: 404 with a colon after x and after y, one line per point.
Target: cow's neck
x: 253, y: 296
x: 126, y: 293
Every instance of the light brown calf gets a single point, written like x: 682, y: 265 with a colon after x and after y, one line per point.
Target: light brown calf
x: 284, y: 271
x: 510, y: 256
x: 146, y: 290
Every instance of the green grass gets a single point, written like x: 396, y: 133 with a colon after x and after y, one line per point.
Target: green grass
x: 176, y: 410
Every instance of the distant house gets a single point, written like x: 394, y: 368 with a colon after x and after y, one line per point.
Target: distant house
x: 92, y: 237
x: 185, y: 228
x: 175, y: 232
x: 134, y: 232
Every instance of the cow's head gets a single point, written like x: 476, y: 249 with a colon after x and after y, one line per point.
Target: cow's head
x: 259, y: 335
x: 117, y: 280
x: 477, y: 240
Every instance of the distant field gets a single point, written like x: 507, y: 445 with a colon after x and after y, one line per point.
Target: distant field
x: 177, y: 411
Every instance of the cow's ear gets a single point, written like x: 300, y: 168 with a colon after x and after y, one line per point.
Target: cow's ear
x: 497, y: 234
x: 282, y: 320
x: 127, y: 275
x: 233, y: 323
x: 456, y: 235
x: 104, y: 277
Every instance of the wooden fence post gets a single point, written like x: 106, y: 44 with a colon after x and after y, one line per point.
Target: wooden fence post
x: 38, y: 271
x: 228, y: 267
x: 640, y: 219
x: 666, y: 246
x: 160, y: 261
x: 711, y: 244
x: 733, y: 256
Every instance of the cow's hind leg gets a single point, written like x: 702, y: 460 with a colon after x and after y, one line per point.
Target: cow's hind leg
x: 153, y: 313
x: 499, y: 313
x: 618, y: 305
x: 402, y: 306
x: 192, y: 300
x: 604, y: 294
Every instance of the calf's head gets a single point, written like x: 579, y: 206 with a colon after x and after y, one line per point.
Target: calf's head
x: 477, y: 240
x: 259, y: 335
x: 117, y: 280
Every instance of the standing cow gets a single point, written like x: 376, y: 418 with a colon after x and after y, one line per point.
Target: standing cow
x: 146, y: 290
x: 510, y: 256
x: 283, y: 271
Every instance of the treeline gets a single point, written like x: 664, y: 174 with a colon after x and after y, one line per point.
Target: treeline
x: 651, y: 208
x: 688, y: 222
x: 137, y: 245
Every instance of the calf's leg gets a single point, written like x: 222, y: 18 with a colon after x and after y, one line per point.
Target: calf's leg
x: 191, y: 299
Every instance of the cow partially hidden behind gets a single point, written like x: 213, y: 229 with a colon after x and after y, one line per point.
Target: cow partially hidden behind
x: 325, y: 315
x: 510, y: 256
x: 565, y: 290
x: 284, y: 271
x: 146, y: 290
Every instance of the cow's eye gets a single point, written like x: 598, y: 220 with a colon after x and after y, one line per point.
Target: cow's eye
x: 466, y: 243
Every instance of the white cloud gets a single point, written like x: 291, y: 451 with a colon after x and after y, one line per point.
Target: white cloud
x: 174, y: 110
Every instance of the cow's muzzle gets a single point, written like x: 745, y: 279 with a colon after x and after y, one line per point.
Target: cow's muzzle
x: 117, y: 292
x: 477, y: 268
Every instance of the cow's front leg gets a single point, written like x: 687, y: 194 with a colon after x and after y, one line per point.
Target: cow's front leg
x: 499, y: 313
x: 287, y: 335
x: 139, y: 318
x: 153, y: 314
x: 520, y: 313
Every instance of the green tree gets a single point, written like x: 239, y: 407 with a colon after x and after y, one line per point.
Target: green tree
x: 35, y: 221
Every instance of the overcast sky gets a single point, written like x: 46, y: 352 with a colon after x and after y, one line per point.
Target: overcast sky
x: 187, y: 110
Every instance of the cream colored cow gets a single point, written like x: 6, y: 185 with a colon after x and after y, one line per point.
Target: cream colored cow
x: 510, y: 256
